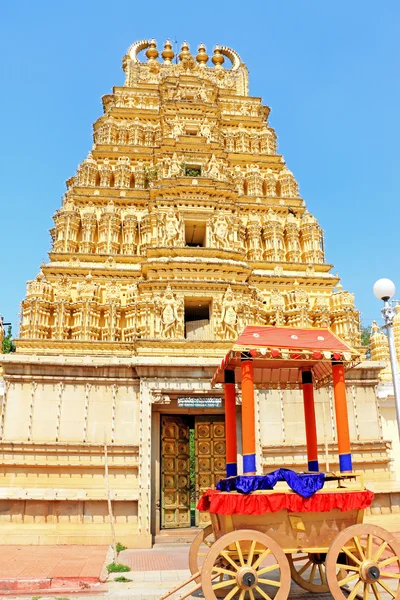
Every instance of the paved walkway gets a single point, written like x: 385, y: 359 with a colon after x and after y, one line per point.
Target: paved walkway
x: 24, y: 567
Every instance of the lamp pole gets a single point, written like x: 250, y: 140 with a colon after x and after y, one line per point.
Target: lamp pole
x: 384, y: 289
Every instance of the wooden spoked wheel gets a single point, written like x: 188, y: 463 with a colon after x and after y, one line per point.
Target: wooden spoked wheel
x: 372, y: 564
x: 251, y: 564
x: 199, y: 549
x: 308, y: 571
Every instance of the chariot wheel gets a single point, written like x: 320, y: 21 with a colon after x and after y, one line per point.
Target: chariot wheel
x: 372, y: 564
x: 199, y: 549
x: 250, y: 563
x: 306, y: 569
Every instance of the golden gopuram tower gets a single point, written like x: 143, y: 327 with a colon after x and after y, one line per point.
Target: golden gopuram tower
x: 181, y: 226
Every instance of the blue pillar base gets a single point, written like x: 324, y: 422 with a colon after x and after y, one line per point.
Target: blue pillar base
x: 249, y: 463
x: 313, y: 466
x: 345, y: 462
x: 231, y: 469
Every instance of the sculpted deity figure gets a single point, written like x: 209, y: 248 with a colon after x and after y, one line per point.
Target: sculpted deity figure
x: 220, y: 231
x: 229, y: 316
x: 169, y: 314
x: 177, y: 128
x: 205, y: 130
x: 172, y: 229
x: 201, y: 94
x: 175, y: 166
x: 166, y: 166
x: 213, y: 169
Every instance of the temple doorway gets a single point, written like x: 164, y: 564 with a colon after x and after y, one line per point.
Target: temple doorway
x: 192, y: 460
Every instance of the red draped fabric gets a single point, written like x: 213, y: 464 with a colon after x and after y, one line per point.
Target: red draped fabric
x: 232, y: 503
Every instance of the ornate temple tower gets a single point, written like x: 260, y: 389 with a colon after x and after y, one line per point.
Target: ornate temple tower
x: 181, y: 226
x: 183, y: 190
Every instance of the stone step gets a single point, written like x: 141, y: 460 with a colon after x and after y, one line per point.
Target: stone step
x: 176, y: 536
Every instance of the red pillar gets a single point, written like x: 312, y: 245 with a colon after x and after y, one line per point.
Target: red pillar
x: 248, y: 416
x: 342, y: 418
x: 310, y: 421
x: 230, y: 423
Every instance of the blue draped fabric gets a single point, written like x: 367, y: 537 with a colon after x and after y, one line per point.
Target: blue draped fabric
x: 305, y: 484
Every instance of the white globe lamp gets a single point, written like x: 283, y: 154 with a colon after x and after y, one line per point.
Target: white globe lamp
x: 384, y: 289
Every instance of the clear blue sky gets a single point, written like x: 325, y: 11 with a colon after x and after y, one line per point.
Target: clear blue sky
x: 328, y: 69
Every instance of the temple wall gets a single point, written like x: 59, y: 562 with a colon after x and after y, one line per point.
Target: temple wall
x: 52, y: 474
x: 52, y: 481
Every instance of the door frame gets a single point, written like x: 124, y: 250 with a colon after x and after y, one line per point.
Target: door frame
x: 170, y: 409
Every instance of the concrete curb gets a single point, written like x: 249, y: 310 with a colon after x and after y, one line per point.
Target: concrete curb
x: 108, y: 559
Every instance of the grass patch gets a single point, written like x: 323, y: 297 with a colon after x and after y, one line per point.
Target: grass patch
x: 117, y: 568
x: 119, y: 547
x: 122, y: 579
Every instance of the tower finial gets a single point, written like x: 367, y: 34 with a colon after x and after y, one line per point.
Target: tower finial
x: 152, y: 52
x: 202, y: 56
x: 218, y: 58
x: 168, y: 54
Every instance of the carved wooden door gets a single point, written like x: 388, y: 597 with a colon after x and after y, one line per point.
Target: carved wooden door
x: 210, y: 457
x: 175, y: 473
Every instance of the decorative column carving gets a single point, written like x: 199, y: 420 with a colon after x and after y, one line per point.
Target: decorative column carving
x: 112, y: 313
x: 254, y: 247
x: 289, y: 186
x: 298, y: 305
x: 122, y: 172
x: 129, y: 233
x: 311, y: 240
x: 292, y: 233
x: 36, y: 309
x: 62, y: 309
x: 105, y: 170
x: 270, y: 184
x: 254, y: 180
x: 89, y: 229
x: 67, y: 221
x: 86, y: 311
x: 87, y: 172
x: 274, y: 241
x: 109, y: 230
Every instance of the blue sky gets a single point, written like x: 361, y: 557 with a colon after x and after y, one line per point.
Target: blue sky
x: 328, y: 70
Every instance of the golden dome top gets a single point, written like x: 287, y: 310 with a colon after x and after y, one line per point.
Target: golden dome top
x: 218, y: 58
x: 202, y: 56
x: 185, y: 53
x: 168, y: 54
x: 152, y: 52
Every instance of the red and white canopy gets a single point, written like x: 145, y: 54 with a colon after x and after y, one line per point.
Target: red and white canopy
x: 280, y: 355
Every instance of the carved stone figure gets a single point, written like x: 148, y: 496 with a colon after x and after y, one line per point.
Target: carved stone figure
x: 229, y: 316
x: 169, y: 314
x: 213, y: 168
x: 205, y: 130
x: 220, y: 233
x: 176, y: 168
x: 171, y: 230
x: 176, y: 128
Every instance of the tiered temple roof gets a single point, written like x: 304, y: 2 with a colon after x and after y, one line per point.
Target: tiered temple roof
x: 183, y: 224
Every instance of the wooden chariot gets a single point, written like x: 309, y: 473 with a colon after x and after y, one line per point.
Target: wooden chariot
x: 258, y: 542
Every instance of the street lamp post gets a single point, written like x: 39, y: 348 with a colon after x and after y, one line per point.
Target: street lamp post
x: 384, y: 289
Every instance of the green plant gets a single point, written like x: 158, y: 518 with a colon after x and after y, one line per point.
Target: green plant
x: 36, y: 597
x: 117, y: 568
x: 8, y: 344
x: 192, y: 172
x: 122, y: 579
x: 119, y: 547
